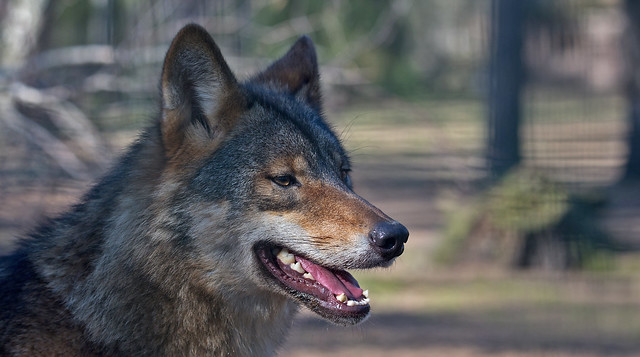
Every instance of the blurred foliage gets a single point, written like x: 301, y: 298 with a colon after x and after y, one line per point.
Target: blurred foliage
x: 459, y: 226
x: 527, y: 221
x: 525, y: 202
x: 406, y: 47
x: 399, y: 45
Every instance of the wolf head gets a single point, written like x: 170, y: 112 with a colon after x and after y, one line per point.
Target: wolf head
x: 259, y: 184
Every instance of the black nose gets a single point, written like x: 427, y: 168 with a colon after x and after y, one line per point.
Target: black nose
x: 389, y: 238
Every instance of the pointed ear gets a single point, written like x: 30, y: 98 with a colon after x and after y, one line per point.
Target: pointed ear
x: 199, y: 92
x: 296, y: 73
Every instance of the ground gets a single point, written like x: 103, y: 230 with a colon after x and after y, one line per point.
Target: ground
x: 479, y: 316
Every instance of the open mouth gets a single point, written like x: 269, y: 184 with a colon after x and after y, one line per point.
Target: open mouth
x: 333, y: 294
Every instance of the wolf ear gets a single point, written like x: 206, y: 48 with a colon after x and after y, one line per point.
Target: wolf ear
x: 296, y: 73
x: 199, y: 92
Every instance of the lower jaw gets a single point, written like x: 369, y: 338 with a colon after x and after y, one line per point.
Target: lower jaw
x: 312, y: 296
x: 337, y: 315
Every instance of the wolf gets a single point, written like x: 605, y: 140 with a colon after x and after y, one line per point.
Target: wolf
x: 233, y: 208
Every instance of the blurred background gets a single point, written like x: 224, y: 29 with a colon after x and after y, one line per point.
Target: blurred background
x: 504, y: 134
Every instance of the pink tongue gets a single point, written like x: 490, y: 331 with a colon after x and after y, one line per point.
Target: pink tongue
x: 338, y: 283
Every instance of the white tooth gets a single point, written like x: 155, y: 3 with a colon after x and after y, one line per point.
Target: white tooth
x: 352, y: 303
x: 365, y: 293
x: 298, y: 267
x: 342, y: 297
x: 308, y: 276
x: 286, y: 257
x: 366, y: 300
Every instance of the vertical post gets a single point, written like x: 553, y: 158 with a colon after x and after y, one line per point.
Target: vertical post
x: 632, y: 88
x: 505, y: 85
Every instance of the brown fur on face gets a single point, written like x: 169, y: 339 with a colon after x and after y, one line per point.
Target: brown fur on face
x: 329, y: 212
x: 333, y: 216
x: 334, y: 221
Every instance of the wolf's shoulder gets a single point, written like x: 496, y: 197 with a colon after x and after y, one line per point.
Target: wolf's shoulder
x: 33, y: 320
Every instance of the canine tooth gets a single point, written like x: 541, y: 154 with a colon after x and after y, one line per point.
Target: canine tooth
x: 308, y: 276
x: 365, y: 293
x: 286, y: 257
x: 365, y: 300
x: 342, y: 297
x: 298, y: 267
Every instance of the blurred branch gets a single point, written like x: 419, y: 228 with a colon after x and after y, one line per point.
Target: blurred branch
x: 67, y: 118
x: 56, y: 149
x: 18, y: 29
x: 289, y: 29
x: 380, y: 33
x: 73, y: 56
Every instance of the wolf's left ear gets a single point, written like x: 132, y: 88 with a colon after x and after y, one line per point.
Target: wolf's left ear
x: 200, y: 95
x: 296, y: 73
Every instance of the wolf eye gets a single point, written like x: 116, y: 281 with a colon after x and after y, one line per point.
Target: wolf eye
x: 344, y: 173
x: 344, y: 176
x: 284, y: 180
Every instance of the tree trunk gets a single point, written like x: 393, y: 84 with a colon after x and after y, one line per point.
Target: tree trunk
x: 505, y: 84
x: 632, y: 46
x: 16, y: 31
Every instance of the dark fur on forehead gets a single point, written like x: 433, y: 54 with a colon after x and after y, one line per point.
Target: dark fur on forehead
x: 279, y: 126
x: 202, y: 101
x: 304, y: 117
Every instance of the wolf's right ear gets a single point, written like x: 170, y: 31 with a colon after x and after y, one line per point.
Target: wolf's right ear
x: 200, y: 95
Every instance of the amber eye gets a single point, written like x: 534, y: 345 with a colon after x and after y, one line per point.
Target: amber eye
x: 344, y: 174
x: 284, y: 180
